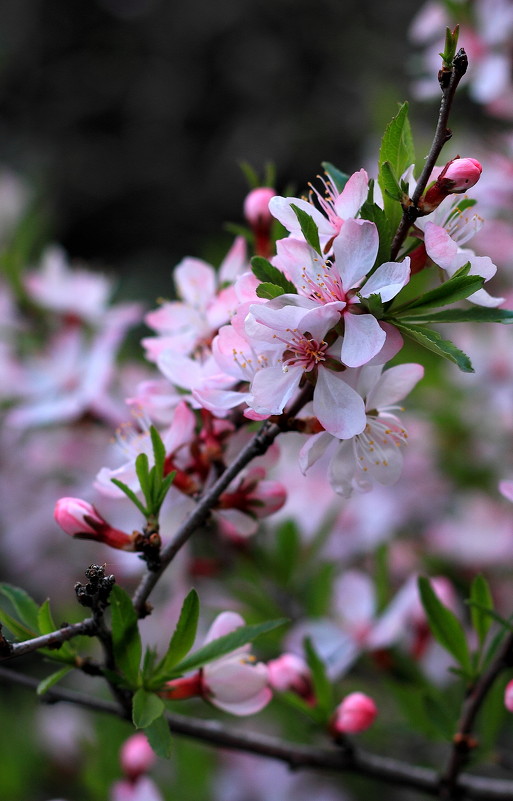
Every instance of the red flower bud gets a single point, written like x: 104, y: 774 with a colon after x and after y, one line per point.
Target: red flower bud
x: 82, y: 520
x: 256, y: 206
x: 356, y: 713
x: 457, y: 176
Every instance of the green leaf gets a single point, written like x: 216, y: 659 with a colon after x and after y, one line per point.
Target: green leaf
x: 481, y: 595
x: 308, y: 228
x: 439, y: 715
x: 392, y: 188
x: 142, y: 469
x: 338, y: 178
x: 287, y: 551
x: 49, y: 682
x: 159, y: 451
x: 445, y: 626
x: 45, y: 621
x: 25, y: 606
x: 185, y: 632
x: 126, y: 639
x: 398, y: 152
x: 375, y: 305
x: 433, y: 341
x: 130, y: 494
x: 323, y: 690
x: 268, y: 273
x: 159, y: 736
x: 473, y: 314
x: 371, y: 211
x: 269, y: 291
x: 19, y: 630
x: 250, y: 174
x: 225, y: 645
x: 146, y: 707
x: 456, y: 288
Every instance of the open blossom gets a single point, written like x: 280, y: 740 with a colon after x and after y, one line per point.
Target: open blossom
x: 81, y: 520
x: 297, y: 335
x: 335, y: 207
x: 355, y: 714
x: 234, y: 682
x: 372, y: 454
x: 343, y: 279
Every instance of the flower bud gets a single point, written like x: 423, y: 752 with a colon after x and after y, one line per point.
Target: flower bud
x: 137, y: 756
x: 508, y: 696
x: 356, y: 713
x: 256, y: 206
x: 290, y: 672
x: 457, y: 176
x: 82, y: 520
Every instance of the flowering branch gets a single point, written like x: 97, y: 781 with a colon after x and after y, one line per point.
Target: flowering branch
x: 357, y: 761
x: 449, y: 80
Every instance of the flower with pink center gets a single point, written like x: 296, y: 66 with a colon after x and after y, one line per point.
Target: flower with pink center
x: 234, y: 682
x: 373, y: 454
x: 356, y: 713
x: 82, y: 521
x: 335, y: 207
x: 297, y: 335
x: 344, y: 279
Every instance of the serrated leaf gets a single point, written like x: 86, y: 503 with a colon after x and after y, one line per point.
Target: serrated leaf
x: 185, y: 633
x: 398, y: 152
x: 391, y: 184
x: 225, y: 645
x: 24, y: 606
x: 49, y: 682
x: 323, y: 690
x: 338, y: 178
x: 445, y: 626
x: 433, y: 341
x: 126, y: 639
x: 375, y: 305
x: 371, y: 211
x: 159, y: 737
x: 267, y: 272
x: 456, y: 288
x: 130, y: 494
x: 146, y: 707
x: 308, y: 228
x: 474, y: 314
x: 269, y: 291
x: 481, y: 597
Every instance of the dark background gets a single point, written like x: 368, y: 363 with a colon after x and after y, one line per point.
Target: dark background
x: 131, y: 116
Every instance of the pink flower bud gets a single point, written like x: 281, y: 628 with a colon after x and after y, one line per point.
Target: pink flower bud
x: 82, y: 520
x: 256, y: 206
x: 508, y: 696
x: 137, y: 756
x: 463, y: 173
x: 356, y: 713
x: 290, y: 672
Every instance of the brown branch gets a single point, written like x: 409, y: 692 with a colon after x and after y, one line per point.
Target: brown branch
x: 464, y: 743
x: 384, y: 769
x: 52, y: 640
x: 449, y: 83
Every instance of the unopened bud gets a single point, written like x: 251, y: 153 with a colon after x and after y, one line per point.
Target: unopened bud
x: 256, y: 206
x: 290, y: 672
x: 356, y: 713
x: 82, y: 520
x: 137, y: 756
x: 508, y: 696
x: 457, y: 176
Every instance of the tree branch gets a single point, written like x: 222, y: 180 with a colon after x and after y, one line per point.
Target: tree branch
x: 449, y: 83
x: 52, y: 640
x: 384, y: 769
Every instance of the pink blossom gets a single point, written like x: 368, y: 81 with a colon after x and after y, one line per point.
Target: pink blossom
x: 81, y: 520
x: 506, y: 488
x: 143, y: 789
x: 256, y: 205
x: 508, y: 696
x: 247, y: 500
x: 456, y: 177
x: 290, y: 672
x: 137, y: 756
x: 355, y: 714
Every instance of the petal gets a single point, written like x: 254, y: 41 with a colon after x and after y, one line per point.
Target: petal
x: 337, y: 406
x: 313, y: 449
x: 387, y: 280
x: 440, y: 247
x: 195, y: 281
x: 280, y: 207
x: 224, y: 623
x: 235, y: 261
x: 272, y: 388
x: 393, y: 385
x: 342, y: 469
x: 363, y: 339
x: 353, y: 195
x: 355, y: 249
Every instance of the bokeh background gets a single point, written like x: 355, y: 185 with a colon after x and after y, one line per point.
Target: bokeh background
x: 131, y: 116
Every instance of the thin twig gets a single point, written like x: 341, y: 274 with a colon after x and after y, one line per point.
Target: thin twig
x: 52, y: 640
x: 442, y: 135
x: 384, y: 769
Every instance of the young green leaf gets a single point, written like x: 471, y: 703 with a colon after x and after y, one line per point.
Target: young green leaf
x: 159, y: 736
x: 432, y: 340
x: 159, y: 451
x: 146, y: 707
x: 481, y: 597
x: 456, y: 288
x: 184, y: 634
x: 338, y: 178
x: 323, y: 690
x: 19, y: 630
x: 390, y: 182
x: 269, y: 291
x: 49, y: 682
x: 225, y: 645
x: 142, y: 469
x: 267, y: 272
x: 445, y: 626
x: 125, y: 635
x: 308, y: 228
x: 130, y: 494
x: 24, y: 606
x: 398, y: 153
x: 473, y: 314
